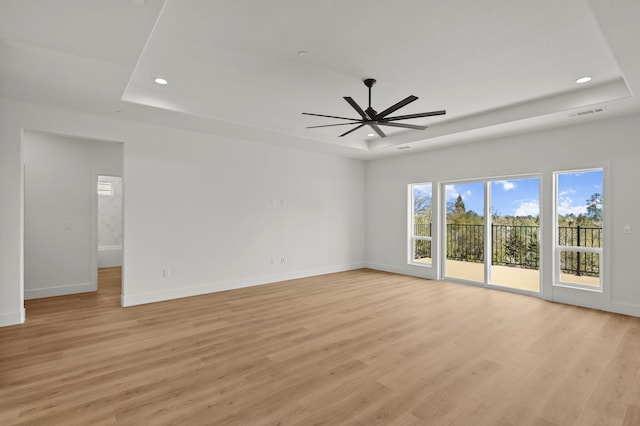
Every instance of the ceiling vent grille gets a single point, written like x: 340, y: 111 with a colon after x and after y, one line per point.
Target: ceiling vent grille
x: 588, y: 112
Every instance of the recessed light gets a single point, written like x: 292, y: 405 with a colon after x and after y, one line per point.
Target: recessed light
x: 371, y: 135
x: 160, y: 80
x: 583, y: 80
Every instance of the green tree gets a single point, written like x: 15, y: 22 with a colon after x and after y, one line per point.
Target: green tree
x: 459, y: 207
x: 457, y: 211
x: 594, y: 208
x: 514, y: 246
x: 422, y: 208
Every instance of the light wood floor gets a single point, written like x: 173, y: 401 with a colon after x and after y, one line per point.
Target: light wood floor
x: 360, y: 347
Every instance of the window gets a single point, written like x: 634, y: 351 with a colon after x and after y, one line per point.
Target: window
x: 421, y: 217
x: 579, y: 229
x: 105, y: 188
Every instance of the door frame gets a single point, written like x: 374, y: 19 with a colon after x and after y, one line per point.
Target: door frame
x: 486, y: 181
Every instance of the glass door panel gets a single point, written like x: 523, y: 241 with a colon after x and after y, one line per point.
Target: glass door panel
x: 515, y: 227
x: 464, y: 231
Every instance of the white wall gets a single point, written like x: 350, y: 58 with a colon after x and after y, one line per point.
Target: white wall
x: 612, y: 144
x: 60, y: 228
x: 204, y: 209
x: 200, y: 206
x: 11, y: 221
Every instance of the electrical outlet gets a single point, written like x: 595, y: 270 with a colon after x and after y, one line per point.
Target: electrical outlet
x: 283, y: 260
x: 166, y: 273
x: 627, y: 229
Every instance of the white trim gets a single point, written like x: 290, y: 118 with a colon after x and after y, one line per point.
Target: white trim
x: 565, y: 284
x: 602, y: 252
x: 103, y: 248
x: 411, y: 226
x: 580, y: 249
x: 12, y: 318
x: 411, y: 270
x: 200, y: 289
x: 487, y: 221
x: 38, y: 293
x: 625, y: 308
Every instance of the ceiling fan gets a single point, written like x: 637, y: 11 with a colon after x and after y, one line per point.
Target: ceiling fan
x: 373, y: 119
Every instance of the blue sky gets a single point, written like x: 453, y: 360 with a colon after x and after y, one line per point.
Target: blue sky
x: 520, y: 197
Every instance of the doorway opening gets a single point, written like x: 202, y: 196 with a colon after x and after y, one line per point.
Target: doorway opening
x: 61, y: 211
x: 110, y: 232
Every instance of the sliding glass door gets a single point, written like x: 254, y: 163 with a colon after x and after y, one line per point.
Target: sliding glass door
x: 491, y: 232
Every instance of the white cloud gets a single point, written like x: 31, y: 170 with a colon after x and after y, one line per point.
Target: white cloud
x: 565, y: 193
x: 528, y: 208
x: 452, y: 193
x: 565, y: 207
x: 506, y: 185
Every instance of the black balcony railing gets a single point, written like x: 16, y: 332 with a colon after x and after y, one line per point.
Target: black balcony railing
x: 577, y: 263
x: 515, y: 246
x: 465, y: 242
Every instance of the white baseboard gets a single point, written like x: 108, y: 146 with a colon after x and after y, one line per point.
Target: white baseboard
x: 12, y: 318
x: 196, y: 290
x: 410, y: 270
x: 625, y: 308
x: 109, y: 256
x: 386, y: 268
x: 38, y: 293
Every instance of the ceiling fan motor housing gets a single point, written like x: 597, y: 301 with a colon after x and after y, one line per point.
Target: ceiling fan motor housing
x: 371, y: 118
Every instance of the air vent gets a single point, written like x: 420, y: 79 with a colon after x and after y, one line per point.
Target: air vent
x: 403, y: 147
x: 587, y: 112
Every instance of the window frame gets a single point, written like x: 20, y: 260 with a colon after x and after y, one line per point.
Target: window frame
x: 558, y: 249
x: 411, y: 231
x: 103, y: 191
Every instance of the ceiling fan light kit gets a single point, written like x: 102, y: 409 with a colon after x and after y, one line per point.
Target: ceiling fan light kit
x: 374, y: 119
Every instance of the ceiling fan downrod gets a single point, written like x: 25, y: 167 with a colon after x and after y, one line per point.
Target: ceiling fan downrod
x: 369, y: 82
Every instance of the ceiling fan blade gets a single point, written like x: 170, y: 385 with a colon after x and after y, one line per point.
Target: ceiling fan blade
x: 377, y: 129
x: 406, y: 126
x: 352, y: 130
x: 404, y: 102
x: 356, y: 107
x: 331, y: 125
x: 424, y: 114
x: 332, y: 116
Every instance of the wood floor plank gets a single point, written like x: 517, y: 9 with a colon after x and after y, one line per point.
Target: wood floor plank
x: 360, y: 348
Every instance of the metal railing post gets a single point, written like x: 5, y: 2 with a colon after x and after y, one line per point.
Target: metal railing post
x: 578, y: 271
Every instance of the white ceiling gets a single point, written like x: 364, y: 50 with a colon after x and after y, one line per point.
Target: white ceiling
x: 498, y: 67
